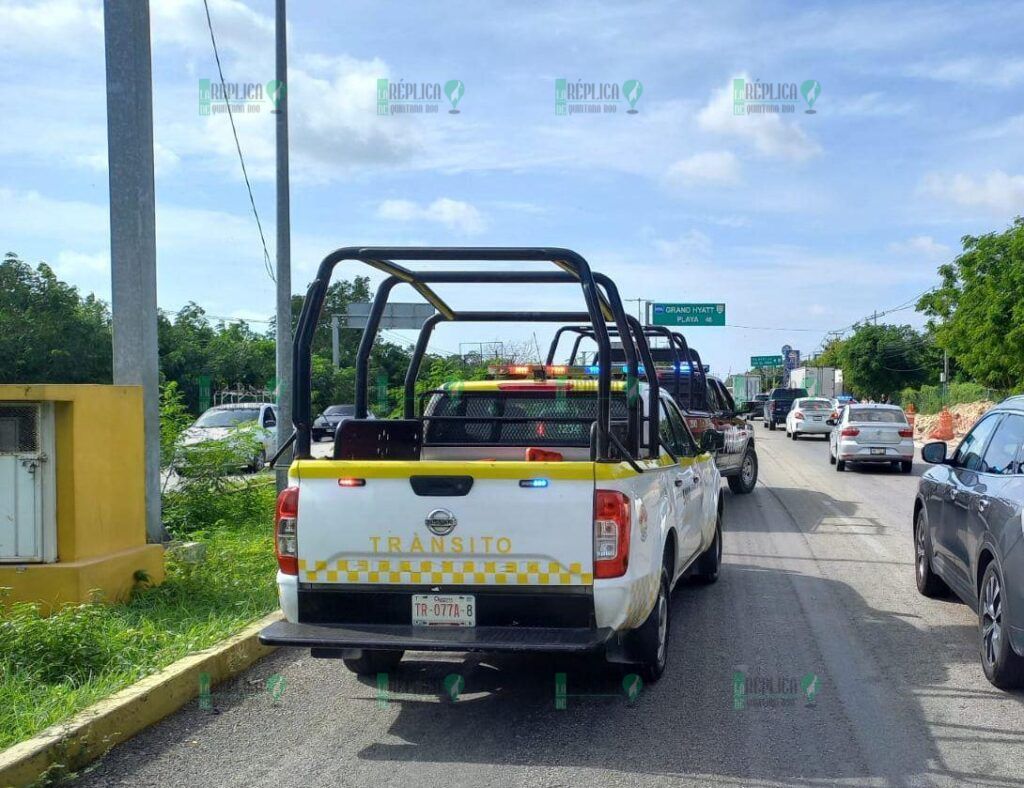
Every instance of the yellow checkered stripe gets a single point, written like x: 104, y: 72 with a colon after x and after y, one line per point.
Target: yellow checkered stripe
x: 446, y: 571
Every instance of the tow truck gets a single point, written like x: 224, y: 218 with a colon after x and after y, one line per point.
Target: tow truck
x: 545, y: 509
x: 704, y: 400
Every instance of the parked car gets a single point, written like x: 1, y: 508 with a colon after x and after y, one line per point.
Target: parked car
x: 967, y: 534
x: 219, y: 421
x: 778, y: 404
x: 871, y: 433
x: 325, y: 425
x: 809, y: 416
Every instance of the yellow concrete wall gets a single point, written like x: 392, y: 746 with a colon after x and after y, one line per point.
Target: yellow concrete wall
x: 100, y: 490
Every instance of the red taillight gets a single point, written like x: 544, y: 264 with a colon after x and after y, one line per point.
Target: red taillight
x: 533, y: 454
x: 850, y: 432
x: 348, y: 481
x: 907, y: 433
x: 799, y: 416
x: 286, y: 531
x: 612, y: 523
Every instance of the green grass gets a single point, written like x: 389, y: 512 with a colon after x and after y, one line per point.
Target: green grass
x: 52, y: 667
x: 930, y: 399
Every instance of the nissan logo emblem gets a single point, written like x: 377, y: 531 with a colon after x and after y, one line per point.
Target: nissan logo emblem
x: 441, y: 522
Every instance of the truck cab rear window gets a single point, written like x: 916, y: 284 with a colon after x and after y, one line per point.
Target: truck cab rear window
x: 497, y: 418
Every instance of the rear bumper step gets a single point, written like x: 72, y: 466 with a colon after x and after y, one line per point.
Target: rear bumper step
x: 399, y: 636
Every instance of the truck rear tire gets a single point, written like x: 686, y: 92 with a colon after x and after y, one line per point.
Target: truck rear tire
x: 651, y: 637
x: 706, y: 567
x: 373, y: 662
x: 745, y: 481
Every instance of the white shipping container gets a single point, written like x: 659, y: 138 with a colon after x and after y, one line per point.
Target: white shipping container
x: 819, y: 381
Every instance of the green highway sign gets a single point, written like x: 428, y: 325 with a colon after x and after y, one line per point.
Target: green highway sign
x: 758, y: 362
x: 688, y: 314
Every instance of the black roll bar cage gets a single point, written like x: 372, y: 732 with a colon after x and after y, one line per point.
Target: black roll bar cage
x: 603, y: 308
x: 697, y: 395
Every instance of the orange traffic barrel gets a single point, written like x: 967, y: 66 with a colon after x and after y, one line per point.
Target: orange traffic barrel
x: 944, y: 429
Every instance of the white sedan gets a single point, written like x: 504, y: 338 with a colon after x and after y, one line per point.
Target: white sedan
x: 872, y: 433
x: 220, y: 421
x: 809, y: 416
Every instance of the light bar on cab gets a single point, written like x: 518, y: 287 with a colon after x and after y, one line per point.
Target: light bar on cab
x: 566, y: 371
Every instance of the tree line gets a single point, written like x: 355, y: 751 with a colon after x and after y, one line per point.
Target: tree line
x: 975, y: 315
x: 51, y: 333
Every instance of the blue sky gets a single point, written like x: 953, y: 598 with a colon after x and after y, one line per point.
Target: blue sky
x: 800, y: 223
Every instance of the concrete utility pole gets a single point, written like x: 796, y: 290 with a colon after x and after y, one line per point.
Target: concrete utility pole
x: 335, y: 349
x: 284, y: 250
x: 133, y: 225
x: 945, y: 374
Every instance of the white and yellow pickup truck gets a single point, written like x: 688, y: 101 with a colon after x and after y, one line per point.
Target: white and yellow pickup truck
x: 482, y: 544
x: 502, y: 518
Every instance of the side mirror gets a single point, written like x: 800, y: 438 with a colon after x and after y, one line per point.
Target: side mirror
x: 712, y: 440
x: 934, y: 452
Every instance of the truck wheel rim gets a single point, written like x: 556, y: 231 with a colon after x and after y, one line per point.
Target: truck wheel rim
x: 747, y: 471
x: 991, y: 619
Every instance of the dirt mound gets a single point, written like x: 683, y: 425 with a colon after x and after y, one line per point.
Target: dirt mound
x: 964, y: 417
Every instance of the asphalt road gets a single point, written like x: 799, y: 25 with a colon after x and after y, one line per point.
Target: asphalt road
x: 816, y: 597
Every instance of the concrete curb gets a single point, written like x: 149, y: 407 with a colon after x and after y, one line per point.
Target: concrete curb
x: 69, y: 746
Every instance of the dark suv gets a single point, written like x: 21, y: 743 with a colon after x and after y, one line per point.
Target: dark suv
x: 778, y: 405
x: 968, y: 535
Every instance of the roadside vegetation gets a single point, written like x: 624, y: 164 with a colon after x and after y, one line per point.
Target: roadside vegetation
x: 53, y: 666
x: 50, y: 333
x: 975, y: 315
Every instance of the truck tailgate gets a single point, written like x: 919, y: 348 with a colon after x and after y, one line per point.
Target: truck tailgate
x: 517, y: 523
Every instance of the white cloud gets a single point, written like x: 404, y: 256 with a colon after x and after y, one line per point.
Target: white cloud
x: 997, y: 191
x: 72, y: 264
x: 1012, y: 127
x: 691, y: 246
x: 237, y: 27
x: 69, y: 26
x: 976, y: 71
x: 870, y: 105
x: 453, y: 214
x: 769, y: 134
x: 720, y: 167
x: 920, y: 245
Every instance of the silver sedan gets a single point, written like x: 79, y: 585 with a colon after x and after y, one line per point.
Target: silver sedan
x: 871, y: 433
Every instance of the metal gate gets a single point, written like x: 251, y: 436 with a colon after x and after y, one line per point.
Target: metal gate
x: 27, y: 515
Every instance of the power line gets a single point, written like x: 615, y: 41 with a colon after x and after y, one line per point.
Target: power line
x: 238, y: 145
